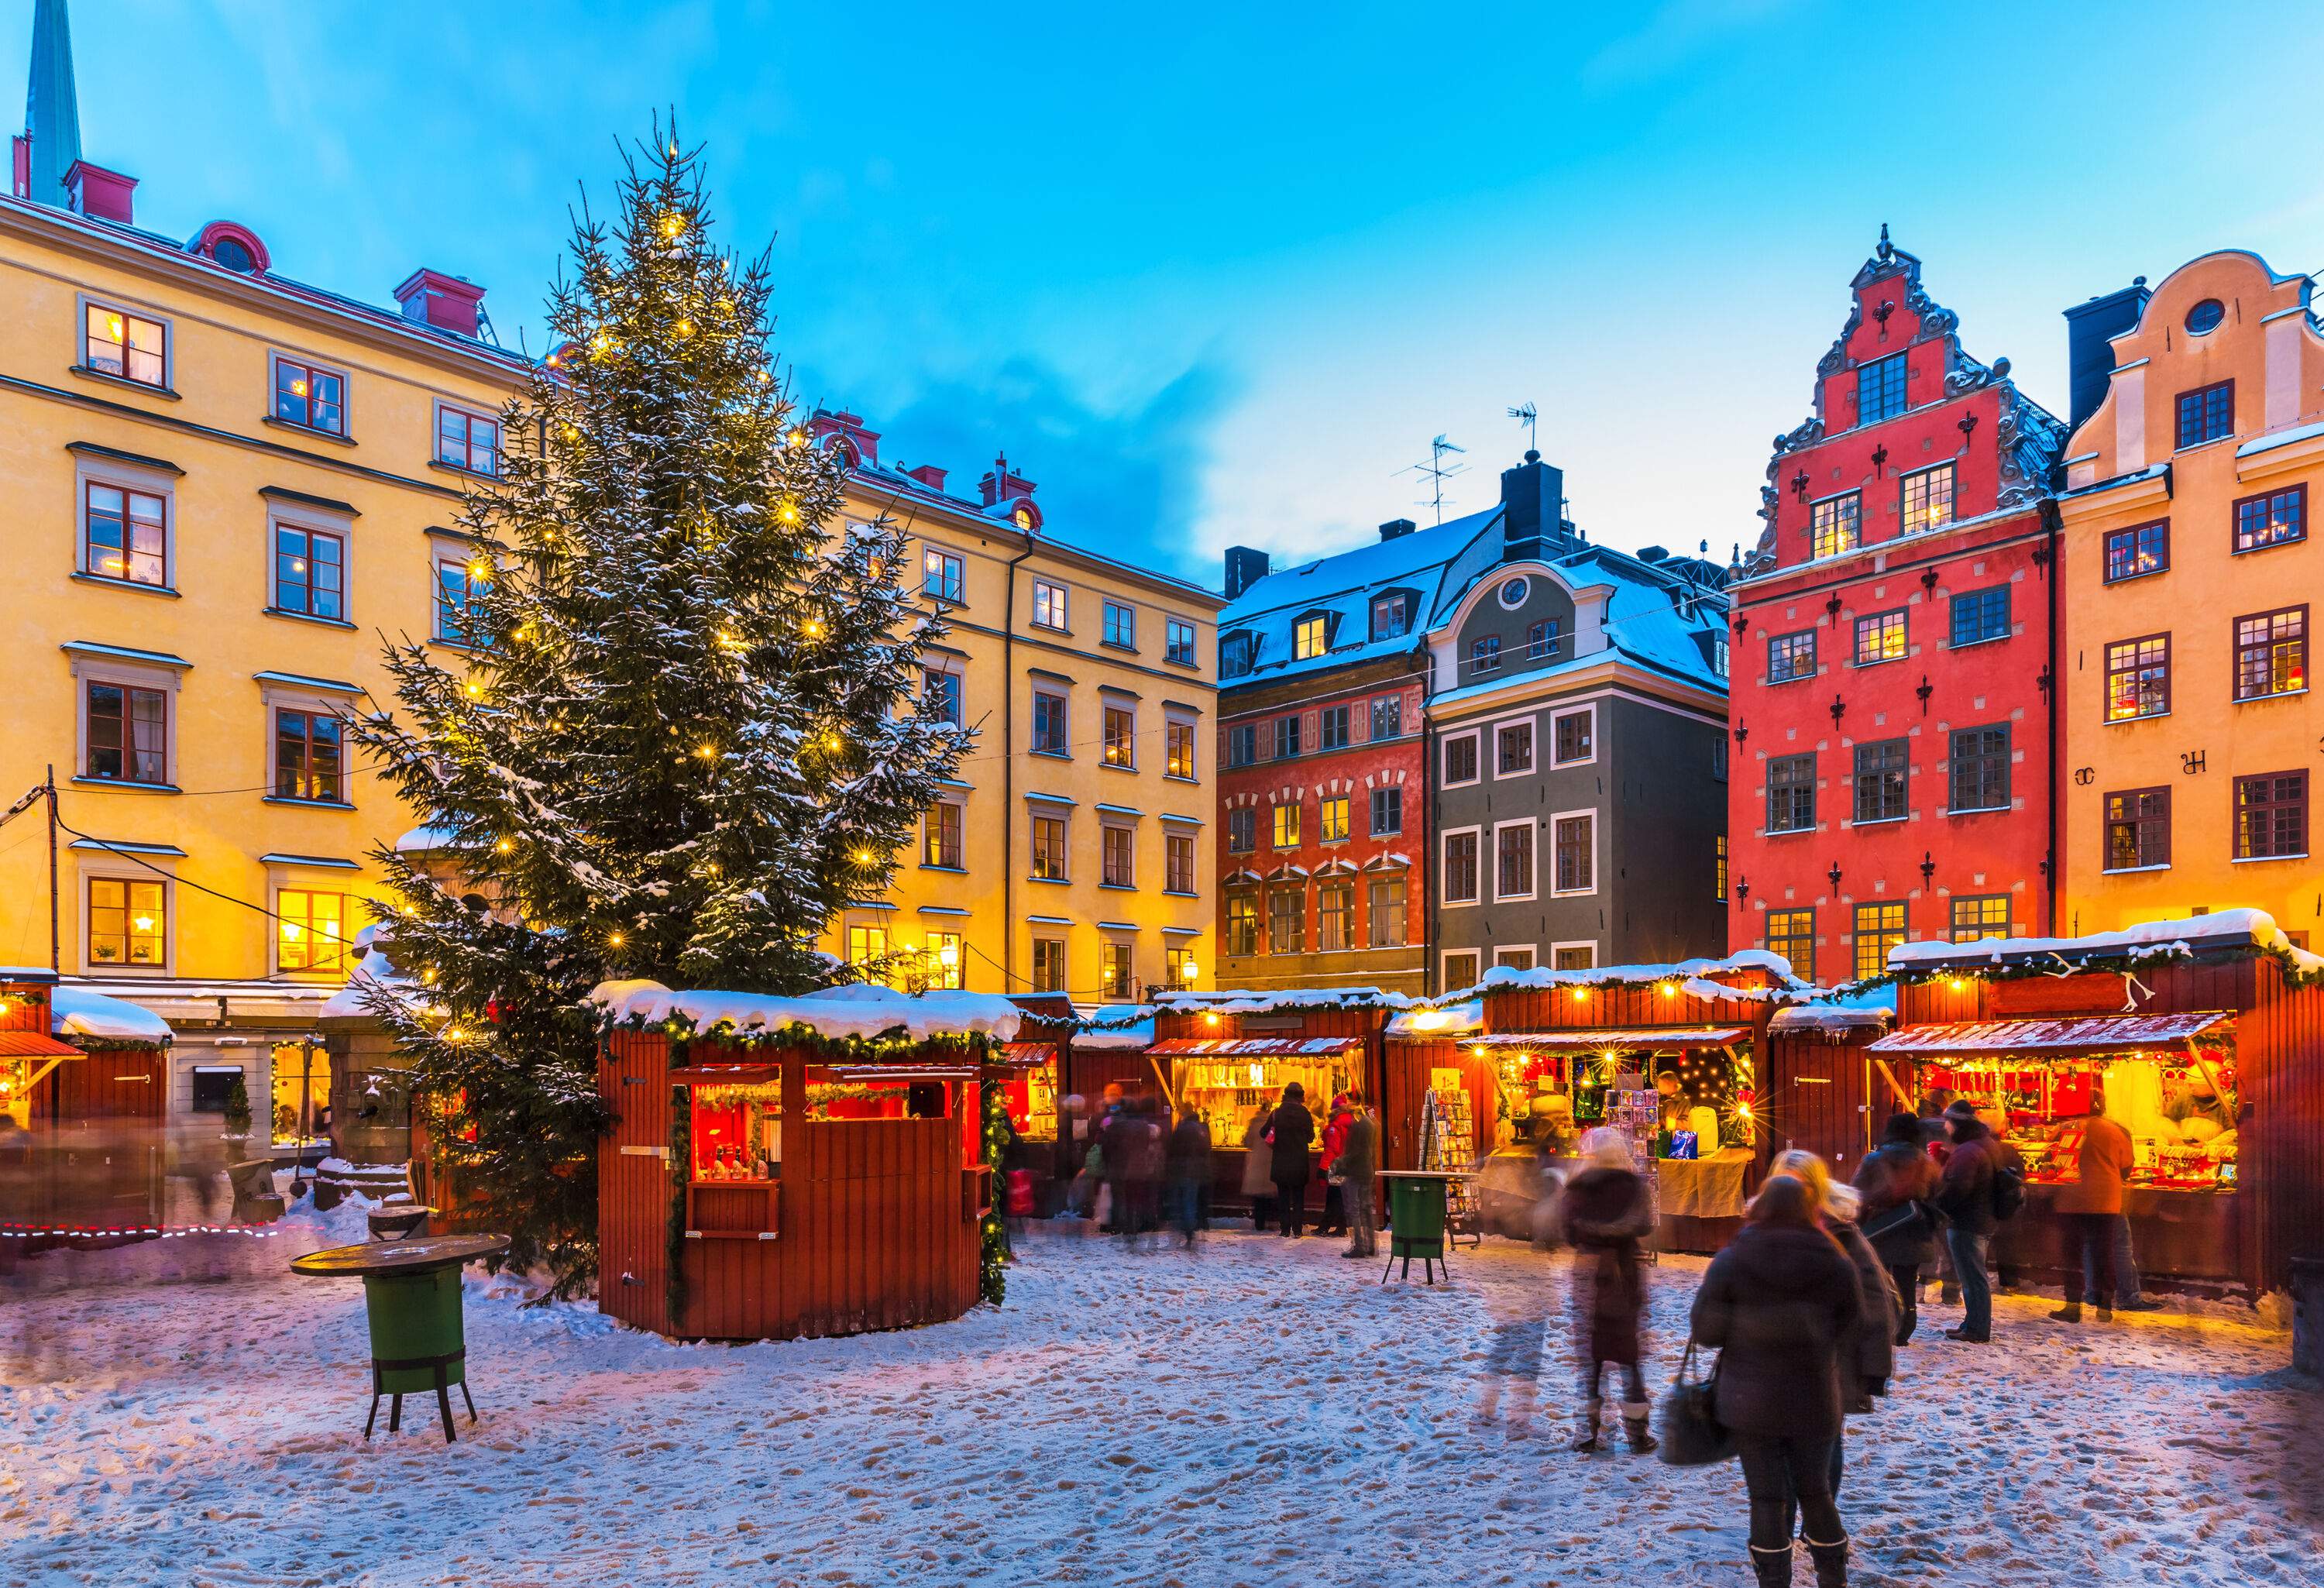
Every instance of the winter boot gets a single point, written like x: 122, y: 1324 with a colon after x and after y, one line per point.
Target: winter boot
x: 1588, y: 1440
x: 1774, y: 1566
x: 2072, y: 1313
x: 1830, y: 1563
x: 1634, y: 1427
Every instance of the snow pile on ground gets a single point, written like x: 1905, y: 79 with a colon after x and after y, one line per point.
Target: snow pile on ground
x: 1263, y: 1412
x: 76, y: 1011
x: 855, y: 1011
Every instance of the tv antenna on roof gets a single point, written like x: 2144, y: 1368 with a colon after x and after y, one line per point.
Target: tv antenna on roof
x: 1436, y: 471
x: 1529, y: 416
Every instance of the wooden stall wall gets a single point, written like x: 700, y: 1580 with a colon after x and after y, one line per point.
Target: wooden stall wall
x: 1825, y: 1097
x: 634, y: 1181
x: 1405, y: 1062
x: 116, y: 1083
x: 1556, y: 1009
x: 2279, y: 1070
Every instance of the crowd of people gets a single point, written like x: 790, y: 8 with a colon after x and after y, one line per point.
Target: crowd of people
x: 1806, y: 1309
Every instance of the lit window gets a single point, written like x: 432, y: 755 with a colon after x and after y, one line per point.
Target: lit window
x: 2278, y: 517
x: 1879, y: 927
x: 125, y: 535
x: 128, y: 922
x: 1792, y: 656
x: 1121, y: 736
x: 2138, y: 678
x: 2137, y: 829
x: 940, y: 834
x: 2144, y: 549
x: 310, y: 756
x: 1880, y: 638
x: 1121, y: 625
x: 130, y: 346
x: 1049, y: 848
x: 943, y: 575
x: 2272, y: 653
x: 127, y: 731
x: 1928, y: 499
x: 1048, y: 604
x: 944, y: 962
x: 1116, y: 969
x: 1310, y: 638
x: 1979, y: 916
x: 1718, y: 869
x: 312, y: 398
x: 1242, y: 924
x: 1178, y: 750
x: 1880, y: 390
x: 310, y: 572
x: 1048, y: 965
x: 1834, y: 524
x: 868, y: 948
x: 1791, y: 933
x: 1332, y: 818
x: 470, y: 442
x: 1178, y: 968
x: 2272, y: 817
x: 310, y: 930
x: 1286, y: 826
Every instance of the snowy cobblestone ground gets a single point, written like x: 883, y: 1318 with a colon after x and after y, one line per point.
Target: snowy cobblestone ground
x: 1262, y: 1412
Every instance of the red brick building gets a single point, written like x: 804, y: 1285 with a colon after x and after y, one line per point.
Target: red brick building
x: 1891, y: 681
x: 1323, y: 763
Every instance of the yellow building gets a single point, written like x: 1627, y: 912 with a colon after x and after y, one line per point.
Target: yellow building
x: 2190, y: 576
x: 222, y: 488
x: 1074, y: 853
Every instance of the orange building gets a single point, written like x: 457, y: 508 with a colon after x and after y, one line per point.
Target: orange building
x: 2191, y: 742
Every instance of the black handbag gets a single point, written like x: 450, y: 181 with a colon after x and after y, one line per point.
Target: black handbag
x: 1688, y: 1424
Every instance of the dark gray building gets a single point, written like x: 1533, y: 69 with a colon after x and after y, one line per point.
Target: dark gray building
x: 1577, y: 720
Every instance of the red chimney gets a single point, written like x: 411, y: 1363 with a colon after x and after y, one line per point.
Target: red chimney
x: 928, y: 474
x: 20, y: 166
x: 98, y: 192
x: 1004, y: 483
x: 446, y: 302
x: 838, y: 427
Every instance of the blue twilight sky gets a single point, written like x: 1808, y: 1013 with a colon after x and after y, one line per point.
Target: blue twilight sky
x: 1212, y: 275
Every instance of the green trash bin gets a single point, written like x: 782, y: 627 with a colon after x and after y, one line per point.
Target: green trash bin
x: 1417, y: 1202
x: 411, y: 1301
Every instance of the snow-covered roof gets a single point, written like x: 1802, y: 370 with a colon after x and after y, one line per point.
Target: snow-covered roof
x: 1285, y: 1001
x: 853, y: 1010
x: 1341, y: 587
x: 2223, y: 929
x: 1118, y: 1025
x: 1831, y: 1018
x: 76, y: 1011
x: 1691, y: 976
x: 1459, y: 1019
x: 426, y: 840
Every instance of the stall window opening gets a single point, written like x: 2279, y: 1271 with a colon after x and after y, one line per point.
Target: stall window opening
x: 737, y: 1130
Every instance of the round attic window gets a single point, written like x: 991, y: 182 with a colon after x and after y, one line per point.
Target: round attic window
x: 232, y: 253
x: 2205, y: 317
x: 1512, y: 592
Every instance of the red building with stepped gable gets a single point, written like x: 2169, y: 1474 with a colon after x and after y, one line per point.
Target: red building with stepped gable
x: 1891, y: 702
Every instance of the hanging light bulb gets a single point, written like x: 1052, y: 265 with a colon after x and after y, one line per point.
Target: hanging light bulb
x: 615, y: 938
x: 863, y: 857
x: 815, y: 628
x: 503, y: 848
x: 673, y: 226
x: 474, y: 690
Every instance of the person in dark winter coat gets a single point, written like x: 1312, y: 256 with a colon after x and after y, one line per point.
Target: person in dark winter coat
x: 1188, y: 1169
x: 1965, y: 1197
x: 1358, y: 1159
x: 1781, y: 1303
x: 1895, y: 1182
x: 1144, y: 1151
x: 1868, y: 1360
x: 1289, y: 1130
x: 1606, y: 1211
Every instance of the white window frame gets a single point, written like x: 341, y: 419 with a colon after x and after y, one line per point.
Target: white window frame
x: 1502, y: 950
x: 1589, y: 709
x: 277, y: 357
x: 118, y: 475
x: 1590, y: 942
x: 1444, y: 835
x: 112, y: 868
x: 1060, y: 602
x: 129, y: 673
x: 1444, y: 750
x: 1533, y: 750
x: 1535, y: 892
x: 1596, y: 853
x: 1444, y: 968
x: 85, y: 301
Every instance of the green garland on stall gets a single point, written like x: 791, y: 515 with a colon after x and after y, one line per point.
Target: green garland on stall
x: 992, y: 1280
x: 681, y: 1167
x: 886, y: 1048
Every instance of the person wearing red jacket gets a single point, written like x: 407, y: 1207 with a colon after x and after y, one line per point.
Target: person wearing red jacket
x: 1334, y: 1221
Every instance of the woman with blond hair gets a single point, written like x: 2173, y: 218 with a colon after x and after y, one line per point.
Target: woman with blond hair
x: 1606, y: 1212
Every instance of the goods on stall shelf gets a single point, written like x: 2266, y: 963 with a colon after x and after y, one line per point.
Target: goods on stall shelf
x: 738, y: 1131
x: 1226, y: 1092
x: 1447, y: 1145
x: 1636, y: 1111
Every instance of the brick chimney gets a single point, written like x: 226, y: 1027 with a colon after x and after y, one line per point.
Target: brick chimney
x: 99, y: 193
x: 838, y: 427
x: 448, y: 303
x: 1004, y: 483
x: 1397, y: 529
x: 928, y: 474
x: 1245, y: 568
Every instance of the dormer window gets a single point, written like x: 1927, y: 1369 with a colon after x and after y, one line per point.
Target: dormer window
x: 1234, y: 655
x: 1391, y: 615
x: 1880, y: 390
x: 1311, y: 637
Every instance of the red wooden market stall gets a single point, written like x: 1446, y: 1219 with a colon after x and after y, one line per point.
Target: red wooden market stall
x: 82, y: 1148
x: 815, y: 1165
x: 2206, y: 1038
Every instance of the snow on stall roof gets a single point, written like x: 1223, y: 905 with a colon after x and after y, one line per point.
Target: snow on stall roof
x: 1460, y: 1018
x: 76, y: 1011
x: 1692, y: 977
x: 2150, y: 939
x: 853, y: 1010
x: 1288, y: 998
x: 1118, y: 1025
x: 1832, y: 1017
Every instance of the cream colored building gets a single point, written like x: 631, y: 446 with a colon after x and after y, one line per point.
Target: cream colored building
x: 1073, y: 854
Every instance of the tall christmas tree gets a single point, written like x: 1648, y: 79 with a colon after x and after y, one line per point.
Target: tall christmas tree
x: 685, y: 727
